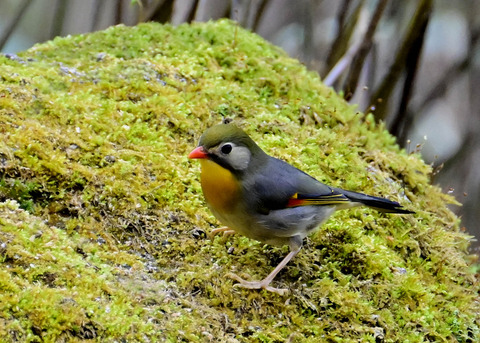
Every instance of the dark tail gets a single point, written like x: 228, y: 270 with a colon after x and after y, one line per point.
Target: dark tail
x: 380, y: 204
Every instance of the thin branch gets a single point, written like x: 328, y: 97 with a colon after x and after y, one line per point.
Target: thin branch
x: 403, y: 119
x: 259, y: 14
x: 162, y: 12
x: 341, y: 65
x: 308, y: 10
x: 97, y: 10
x: 334, y: 53
x: 14, y: 21
x: 239, y: 11
x: 345, y: 32
x: 453, y: 72
x: 381, y: 97
x: 352, y: 79
x: 58, y: 17
x: 147, y: 11
x: 193, y: 11
x: 118, y: 12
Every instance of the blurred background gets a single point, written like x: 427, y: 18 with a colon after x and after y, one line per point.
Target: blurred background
x: 415, y: 64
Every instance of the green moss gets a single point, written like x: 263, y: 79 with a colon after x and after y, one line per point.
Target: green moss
x: 104, y: 228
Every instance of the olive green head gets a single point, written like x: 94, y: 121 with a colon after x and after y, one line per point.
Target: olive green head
x: 223, y: 133
x: 229, y: 146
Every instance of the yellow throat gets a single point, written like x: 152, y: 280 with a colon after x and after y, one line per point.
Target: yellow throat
x: 220, y: 188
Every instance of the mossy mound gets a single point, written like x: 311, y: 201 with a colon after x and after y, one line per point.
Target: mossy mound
x: 103, y: 225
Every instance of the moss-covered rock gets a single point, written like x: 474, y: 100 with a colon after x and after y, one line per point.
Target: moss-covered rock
x: 103, y: 228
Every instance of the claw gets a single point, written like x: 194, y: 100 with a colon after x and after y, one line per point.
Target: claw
x: 225, y: 230
x: 265, y: 284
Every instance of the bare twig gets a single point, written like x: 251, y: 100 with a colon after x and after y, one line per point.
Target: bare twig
x: 380, y: 99
x: 308, y: 37
x: 402, y: 120
x: 97, y: 10
x: 239, y: 11
x: 345, y: 29
x: 193, y: 10
x: 453, y: 72
x: 12, y: 24
x: 359, y: 59
x: 118, y: 12
x: 161, y: 11
x: 58, y: 17
x: 259, y: 14
x: 341, y: 65
x: 334, y: 53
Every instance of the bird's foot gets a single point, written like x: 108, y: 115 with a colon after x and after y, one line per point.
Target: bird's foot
x: 225, y: 230
x: 265, y: 284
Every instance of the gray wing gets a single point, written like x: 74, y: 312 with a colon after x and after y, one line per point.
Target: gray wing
x: 279, y: 185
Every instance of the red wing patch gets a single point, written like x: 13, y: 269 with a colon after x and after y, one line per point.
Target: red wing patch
x: 316, y: 200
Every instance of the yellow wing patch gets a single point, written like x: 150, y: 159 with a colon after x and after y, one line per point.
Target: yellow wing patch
x: 316, y: 200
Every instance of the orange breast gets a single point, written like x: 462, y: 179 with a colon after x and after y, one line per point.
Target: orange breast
x: 220, y: 188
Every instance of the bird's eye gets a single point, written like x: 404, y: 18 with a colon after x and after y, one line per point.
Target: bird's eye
x: 226, y: 149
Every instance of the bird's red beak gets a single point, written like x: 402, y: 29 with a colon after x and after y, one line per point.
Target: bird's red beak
x: 198, y: 152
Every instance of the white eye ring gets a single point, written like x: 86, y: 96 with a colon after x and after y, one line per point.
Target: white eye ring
x: 236, y: 156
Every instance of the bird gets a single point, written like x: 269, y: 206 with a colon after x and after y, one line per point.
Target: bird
x: 267, y: 199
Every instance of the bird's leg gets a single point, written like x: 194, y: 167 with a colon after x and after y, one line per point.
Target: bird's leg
x: 265, y: 283
x: 226, y: 231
